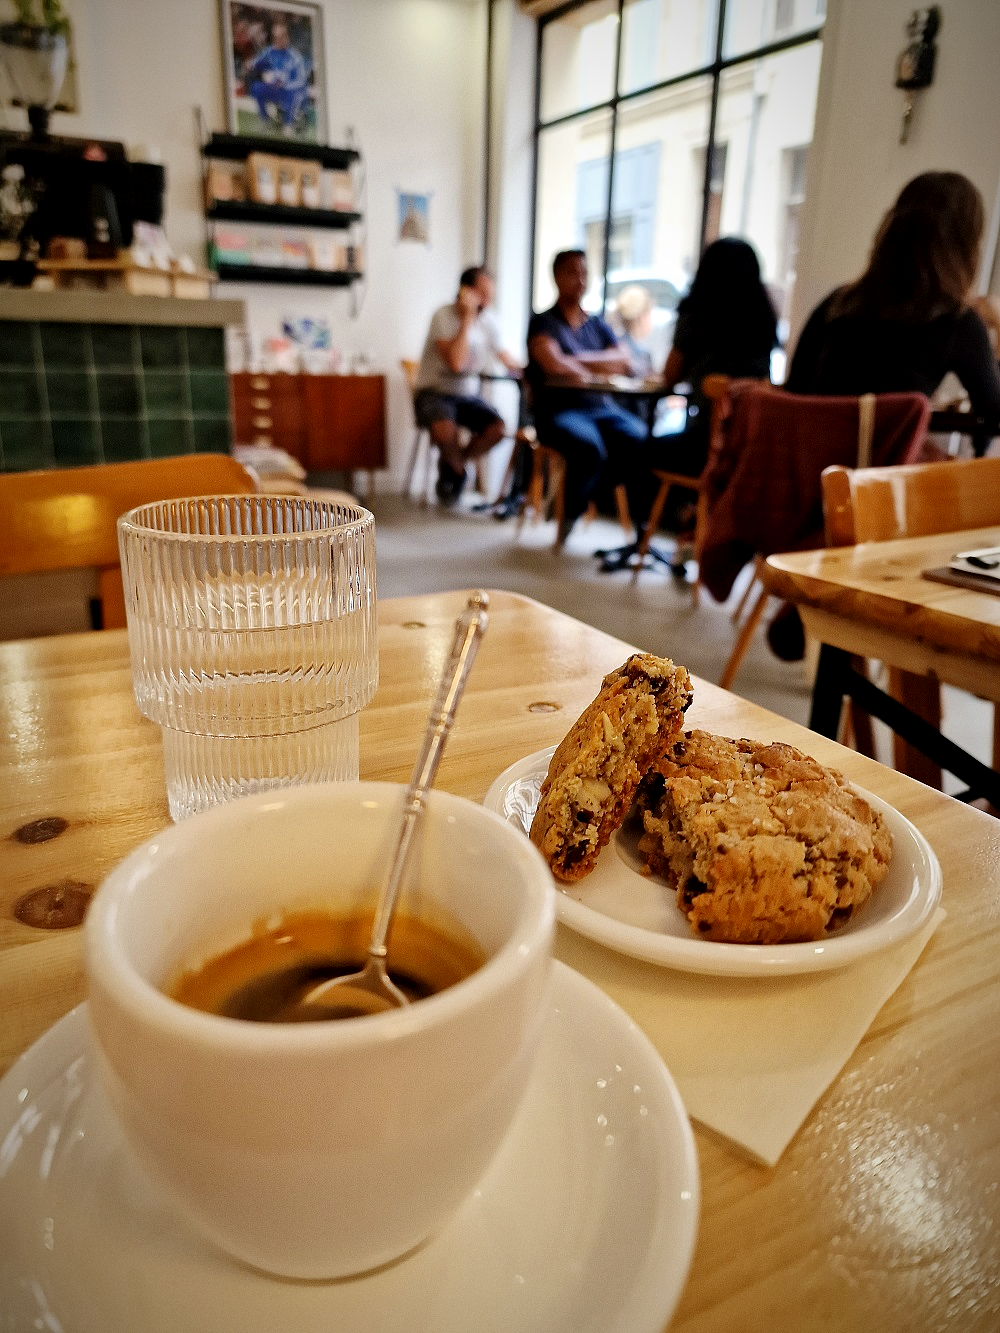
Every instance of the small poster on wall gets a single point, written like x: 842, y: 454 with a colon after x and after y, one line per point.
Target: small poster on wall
x: 413, y: 212
x: 275, y: 70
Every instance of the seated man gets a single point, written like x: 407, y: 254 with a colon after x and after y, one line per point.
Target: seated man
x: 462, y: 342
x: 597, y: 438
x: 278, y: 80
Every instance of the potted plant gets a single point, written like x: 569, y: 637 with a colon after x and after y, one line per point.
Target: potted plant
x: 35, y: 53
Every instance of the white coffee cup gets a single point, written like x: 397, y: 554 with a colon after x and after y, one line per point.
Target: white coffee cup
x: 318, y: 1149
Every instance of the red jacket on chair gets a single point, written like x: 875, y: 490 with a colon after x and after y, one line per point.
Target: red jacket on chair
x: 762, y: 480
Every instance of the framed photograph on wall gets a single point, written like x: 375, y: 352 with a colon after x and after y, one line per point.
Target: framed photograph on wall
x: 413, y: 217
x: 275, y: 70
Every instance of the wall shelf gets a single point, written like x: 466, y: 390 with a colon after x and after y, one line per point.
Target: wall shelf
x: 300, y: 277
x: 236, y: 147
x: 246, y: 211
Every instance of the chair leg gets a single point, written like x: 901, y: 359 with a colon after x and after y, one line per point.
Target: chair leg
x: 508, y: 475
x: 744, y: 598
x: 557, y: 492
x: 743, y: 640
x: 411, y: 466
x: 427, y: 489
x: 533, y: 495
x: 482, y: 477
x: 621, y: 509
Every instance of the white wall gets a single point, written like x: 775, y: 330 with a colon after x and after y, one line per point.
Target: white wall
x: 512, y: 153
x: 857, y: 165
x: 407, y: 75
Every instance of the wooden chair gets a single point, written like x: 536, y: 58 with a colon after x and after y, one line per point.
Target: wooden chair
x: 716, y: 390
x: 911, y: 500
x: 791, y: 441
x: 546, y: 492
x: 65, y: 518
x: 421, y: 450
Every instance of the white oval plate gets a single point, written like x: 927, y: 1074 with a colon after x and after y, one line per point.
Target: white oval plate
x: 638, y: 915
x: 586, y: 1219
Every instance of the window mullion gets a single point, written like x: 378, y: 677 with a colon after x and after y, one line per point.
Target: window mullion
x: 706, y: 189
x: 611, y: 160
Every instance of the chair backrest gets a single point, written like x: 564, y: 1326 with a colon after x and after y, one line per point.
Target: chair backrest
x: 66, y: 518
x: 768, y: 451
x: 410, y: 369
x: 911, y: 500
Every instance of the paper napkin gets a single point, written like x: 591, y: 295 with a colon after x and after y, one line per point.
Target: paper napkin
x: 751, y: 1057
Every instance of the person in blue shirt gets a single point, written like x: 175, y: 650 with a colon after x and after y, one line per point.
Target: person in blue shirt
x: 598, y: 439
x: 278, y: 78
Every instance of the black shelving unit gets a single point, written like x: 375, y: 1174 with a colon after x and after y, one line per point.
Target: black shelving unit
x: 300, y: 277
x: 237, y: 148
x: 238, y: 210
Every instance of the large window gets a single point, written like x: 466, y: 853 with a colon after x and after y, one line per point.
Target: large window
x: 664, y: 124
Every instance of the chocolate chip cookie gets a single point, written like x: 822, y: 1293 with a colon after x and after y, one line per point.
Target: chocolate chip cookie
x: 763, y: 844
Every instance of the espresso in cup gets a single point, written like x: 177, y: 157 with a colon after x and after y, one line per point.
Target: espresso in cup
x: 263, y: 978
x: 322, y: 1149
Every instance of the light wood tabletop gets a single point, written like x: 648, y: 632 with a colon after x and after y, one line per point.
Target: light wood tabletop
x: 652, y: 386
x: 884, y: 1211
x: 872, y: 600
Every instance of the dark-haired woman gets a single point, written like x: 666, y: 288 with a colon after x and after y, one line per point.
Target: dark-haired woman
x: 909, y: 318
x: 726, y: 325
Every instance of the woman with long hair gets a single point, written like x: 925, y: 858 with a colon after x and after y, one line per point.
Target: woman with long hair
x: 910, y: 318
x: 726, y: 325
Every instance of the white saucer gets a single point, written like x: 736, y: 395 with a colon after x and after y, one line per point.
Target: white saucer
x: 585, y: 1221
x: 638, y: 914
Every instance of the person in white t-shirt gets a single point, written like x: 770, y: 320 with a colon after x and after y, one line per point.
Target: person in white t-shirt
x: 462, y: 343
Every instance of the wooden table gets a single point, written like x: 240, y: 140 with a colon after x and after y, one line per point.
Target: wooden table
x: 872, y: 601
x: 622, y: 386
x: 883, y: 1213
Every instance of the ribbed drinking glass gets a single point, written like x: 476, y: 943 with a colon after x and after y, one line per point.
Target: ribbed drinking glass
x: 251, y: 624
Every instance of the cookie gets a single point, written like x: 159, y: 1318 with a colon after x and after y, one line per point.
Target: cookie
x: 762, y: 843
x: 594, y: 774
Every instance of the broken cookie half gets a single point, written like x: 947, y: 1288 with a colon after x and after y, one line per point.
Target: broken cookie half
x: 594, y: 774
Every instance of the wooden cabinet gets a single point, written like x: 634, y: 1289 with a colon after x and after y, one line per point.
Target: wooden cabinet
x: 329, y: 423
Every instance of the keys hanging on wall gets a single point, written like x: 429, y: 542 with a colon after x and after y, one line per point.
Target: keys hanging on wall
x: 904, y: 129
x: 915, y: 66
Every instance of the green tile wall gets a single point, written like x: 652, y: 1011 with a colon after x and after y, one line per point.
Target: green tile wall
x: 104, y: 393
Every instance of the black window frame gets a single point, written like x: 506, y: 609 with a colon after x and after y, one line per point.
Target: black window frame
x: 713, y: 70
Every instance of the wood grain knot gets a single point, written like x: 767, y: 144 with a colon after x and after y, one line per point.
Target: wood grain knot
x: 41, y: 830
x: 56, y: 906
x: 543, y: 707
